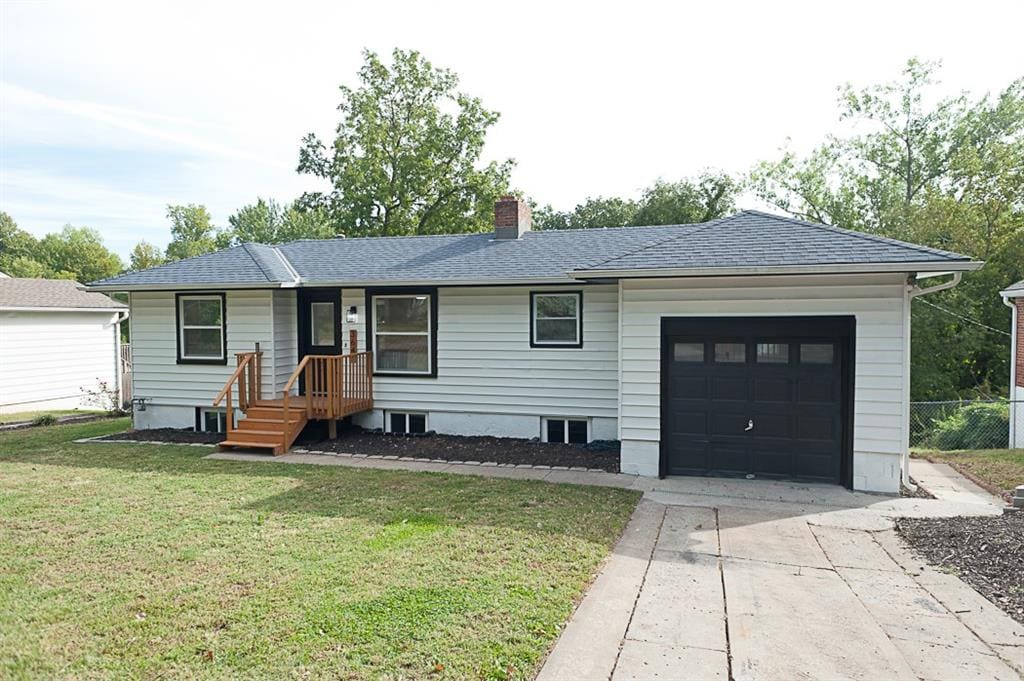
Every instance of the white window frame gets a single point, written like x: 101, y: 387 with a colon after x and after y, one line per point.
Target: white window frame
x: 389, y: 413
x: 219, y: 327
x: 428, y: 333
x: 544, y: 426
x: 222, y: 420
x: 575, y: 343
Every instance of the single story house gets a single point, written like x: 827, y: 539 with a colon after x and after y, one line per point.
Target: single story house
x: 1013, y: 297
x: 56, y: 339
x: 754, y: 345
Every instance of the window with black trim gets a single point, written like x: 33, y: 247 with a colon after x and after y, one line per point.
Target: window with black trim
x: 201, y: 328
x: 406, y: 423
x: 556, y: 319
x: 403, y: 333
x: 568, y: 431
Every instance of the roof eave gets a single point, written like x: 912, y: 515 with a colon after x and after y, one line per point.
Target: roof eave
x: 850, y: 268
x: 43, y: 308
x: 127, y: 288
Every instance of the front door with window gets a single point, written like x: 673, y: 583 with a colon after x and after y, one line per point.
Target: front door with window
x: 319, y: 322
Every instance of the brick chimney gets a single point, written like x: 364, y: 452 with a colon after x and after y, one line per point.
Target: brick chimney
x: 511, y: 218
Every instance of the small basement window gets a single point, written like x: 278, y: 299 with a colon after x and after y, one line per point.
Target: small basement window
x: 212, y: 421
x: 571, y: 431
x: 406, y: 423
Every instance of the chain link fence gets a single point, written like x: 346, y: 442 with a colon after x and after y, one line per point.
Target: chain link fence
x: 966, y: 424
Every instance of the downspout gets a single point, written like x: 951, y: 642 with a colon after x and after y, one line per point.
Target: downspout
x: 1013, y: 371
x: 914, y: 292
x: 121, y: 317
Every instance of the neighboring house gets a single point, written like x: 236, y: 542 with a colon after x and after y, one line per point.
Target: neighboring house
x: 752, y: 345
x: 1014, y: 299
x: 56, y: 338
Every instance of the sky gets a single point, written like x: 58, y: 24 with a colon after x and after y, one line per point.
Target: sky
x: 110, y: 111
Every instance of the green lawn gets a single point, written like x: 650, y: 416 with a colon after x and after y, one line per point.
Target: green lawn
x: 122, y: 560
x: 1000, y: 469
x: 29, y: 415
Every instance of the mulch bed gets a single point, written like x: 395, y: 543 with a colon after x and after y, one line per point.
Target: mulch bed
x: 353, y: 440
x: 507, y: 450
x: 919, y: 493
x: 986, y: 552
x: 182, y: 435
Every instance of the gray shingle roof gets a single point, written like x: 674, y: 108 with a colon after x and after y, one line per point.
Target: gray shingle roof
x: 747, y: 239
x: 756, y: 239
x: 56, y: 293
x: 1017, y: 289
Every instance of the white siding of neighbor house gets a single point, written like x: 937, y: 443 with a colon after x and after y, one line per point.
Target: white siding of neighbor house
x: 47, y: 358
x: 877, y: 301
x: 489, y: 380
x: 172, y: 390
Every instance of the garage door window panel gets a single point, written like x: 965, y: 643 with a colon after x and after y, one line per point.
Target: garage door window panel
x: 772, y: 353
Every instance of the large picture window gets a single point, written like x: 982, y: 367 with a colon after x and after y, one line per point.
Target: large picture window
x: 403, y: 333
x: 201, y: 328
x: 556, y: 319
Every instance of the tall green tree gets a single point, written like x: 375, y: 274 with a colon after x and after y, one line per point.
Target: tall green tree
x: 77, y: 253
x: 144, y: 256
x: 267, y: 222
x: 18, y: 250
x: 406, y: 155
x: 711, y: 195
x: 944, y: 172
x: 192, y: 231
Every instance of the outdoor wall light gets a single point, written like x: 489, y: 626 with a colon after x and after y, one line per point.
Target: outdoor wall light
x: 353, y: 316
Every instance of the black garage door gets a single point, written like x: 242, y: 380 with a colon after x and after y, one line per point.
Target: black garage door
x: 765, y: 396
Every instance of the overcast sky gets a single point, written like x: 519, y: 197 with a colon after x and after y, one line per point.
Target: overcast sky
x: 110, y: 111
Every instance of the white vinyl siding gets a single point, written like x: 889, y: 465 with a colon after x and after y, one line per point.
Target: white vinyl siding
x: 46, y: 358
x: 286, y: 352
x: 485, y: 362
x: 877, y: 302
x: 161, y: 380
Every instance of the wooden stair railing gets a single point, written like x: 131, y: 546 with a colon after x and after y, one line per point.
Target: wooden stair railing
x: 248, y: 379
x: 335, y: 386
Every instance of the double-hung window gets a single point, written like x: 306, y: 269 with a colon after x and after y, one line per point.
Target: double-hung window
x: 556, y: 319
x: 201, y: 328
x: 403, y: 337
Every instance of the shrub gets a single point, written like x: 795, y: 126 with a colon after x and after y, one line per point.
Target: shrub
x: 44, y: 420
x: 104, y: 396
x: 973, y: 426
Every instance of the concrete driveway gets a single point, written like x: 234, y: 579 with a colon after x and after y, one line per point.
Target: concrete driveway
x: 718, y: 579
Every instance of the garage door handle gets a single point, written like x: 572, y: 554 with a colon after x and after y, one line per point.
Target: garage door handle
x: 750, y: 426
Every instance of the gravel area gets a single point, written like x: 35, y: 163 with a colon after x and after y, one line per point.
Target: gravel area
x: 603, y: 455
x: 985, y: 552
x: 167, y: 435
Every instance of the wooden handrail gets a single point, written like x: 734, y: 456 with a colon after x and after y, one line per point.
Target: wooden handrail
x: 335, y: 386
x: 248, y: 376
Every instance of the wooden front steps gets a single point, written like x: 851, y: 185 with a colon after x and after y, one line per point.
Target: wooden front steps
x: 336, y: 386
x: 264, y: 426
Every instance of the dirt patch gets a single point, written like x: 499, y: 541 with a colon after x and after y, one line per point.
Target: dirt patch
x: 507, y: 450
x: 186, y: 435
x: 919, y: 493
x: 985, y: 552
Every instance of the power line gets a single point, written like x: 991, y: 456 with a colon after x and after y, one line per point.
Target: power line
x: 966, y: 319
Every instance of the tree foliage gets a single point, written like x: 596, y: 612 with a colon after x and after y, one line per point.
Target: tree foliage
x: 144, y: 256
x: 192, y: 231
x: 73, y: 253
x: 267, y: 222
x: 406, y: 155
x: 709, y: 196
x: 946, y: 173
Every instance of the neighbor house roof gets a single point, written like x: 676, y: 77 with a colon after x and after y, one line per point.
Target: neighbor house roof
x: 22, y: 294
x: 1014, y: 291
x: 749, y: 240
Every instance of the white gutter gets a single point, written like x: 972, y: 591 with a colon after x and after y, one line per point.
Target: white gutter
x: 1006, y: 296
x: 119, y: 288
x: 848, y: 268
x: 911, y: 293
x: 121, y: 317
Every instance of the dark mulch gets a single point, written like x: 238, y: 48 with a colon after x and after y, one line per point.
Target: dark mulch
x: 987, y: 553
x: 603, y: 455
x: 919, y: 493
x: 168, y: 435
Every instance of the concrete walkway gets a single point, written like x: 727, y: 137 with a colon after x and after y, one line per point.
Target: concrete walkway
x: 753, y: 579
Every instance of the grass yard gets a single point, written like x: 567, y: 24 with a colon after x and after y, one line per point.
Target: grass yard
x: 123, y: 560
x: 999, y: 469
x: 30, y: 415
